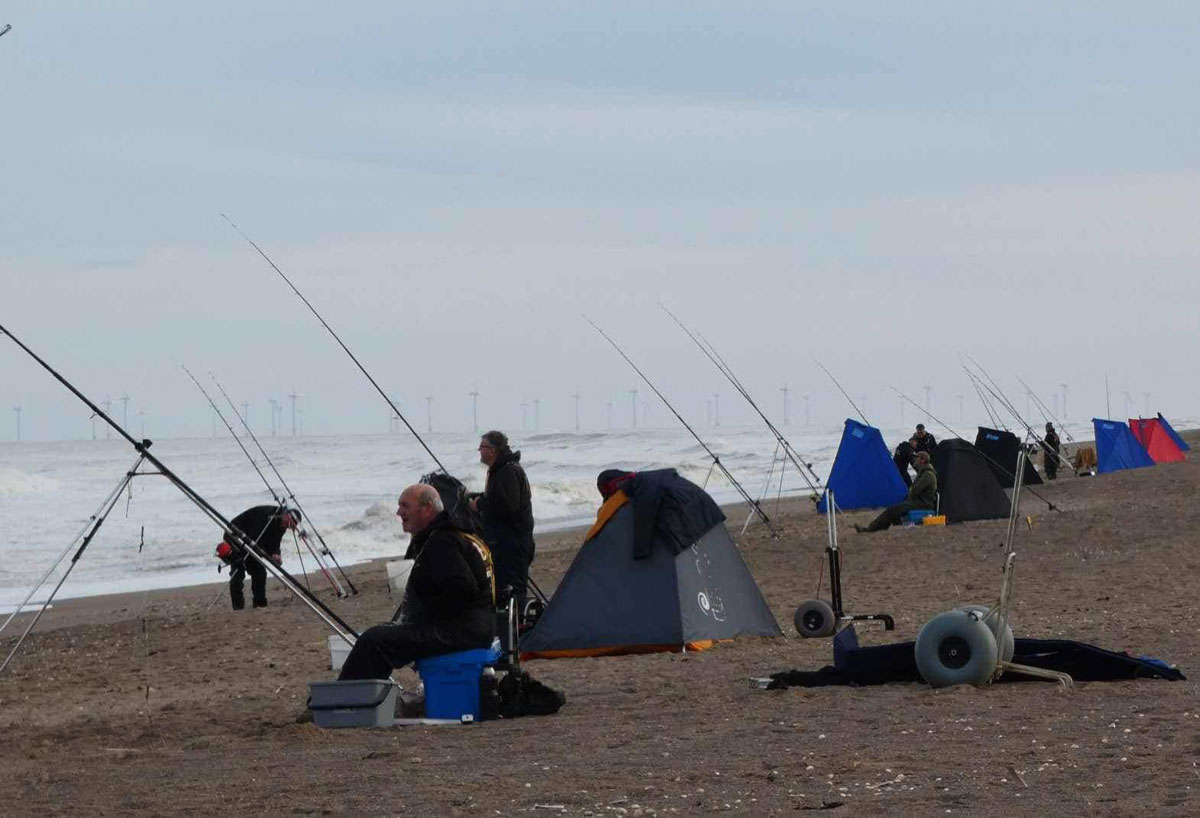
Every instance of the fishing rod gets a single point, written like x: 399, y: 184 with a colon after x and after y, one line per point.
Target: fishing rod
x: 984, y: 455
x: 1005, y: 402
x: 993, y: 416
x: 93, y: 528
x: 241, y: 540
x: 7, y: 28
x: 292, y: 496
x: 716, y: 460
x: 116, y: 492
x: 805, y: 469
x: 357, y: 363
x: 843, y: 391
x: 279, y: 501
x: 1045, y: 410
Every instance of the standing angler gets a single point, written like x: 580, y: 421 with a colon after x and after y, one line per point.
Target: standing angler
x: 265, y: 527
x: 506, y: 510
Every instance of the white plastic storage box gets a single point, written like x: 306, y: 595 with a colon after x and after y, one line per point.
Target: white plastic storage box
x: 358, y: 703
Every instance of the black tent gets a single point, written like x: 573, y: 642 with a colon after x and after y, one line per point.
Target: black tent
x: 1000, y: 450
x: 966, y: 486
x: 657, y: 572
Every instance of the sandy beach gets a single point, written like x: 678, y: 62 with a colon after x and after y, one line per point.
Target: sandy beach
x: 168, y: 703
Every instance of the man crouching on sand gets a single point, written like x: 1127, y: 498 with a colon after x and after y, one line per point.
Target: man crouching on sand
x: 449, y: 603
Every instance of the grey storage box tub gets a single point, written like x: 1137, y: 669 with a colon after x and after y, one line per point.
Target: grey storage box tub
x: 358, y: 703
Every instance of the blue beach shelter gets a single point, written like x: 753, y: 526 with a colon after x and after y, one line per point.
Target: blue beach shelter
x: 863, y: 474
x: 1117, y: 448
x: 1171, y: 433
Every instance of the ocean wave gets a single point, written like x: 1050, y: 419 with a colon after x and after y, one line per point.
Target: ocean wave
x: 14, y: 481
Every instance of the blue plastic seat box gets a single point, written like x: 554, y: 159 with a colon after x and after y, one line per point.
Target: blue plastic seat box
x: 452, y: 682
x: 919, y: 514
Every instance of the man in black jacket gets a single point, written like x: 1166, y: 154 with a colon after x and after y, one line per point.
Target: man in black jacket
x: 264, y: 526
x: 506, y: 510
x: 922, y: 441
x: 449, y: 602
x: 1051, y: 444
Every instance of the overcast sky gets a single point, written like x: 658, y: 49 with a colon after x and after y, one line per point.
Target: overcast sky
x: 882, y: 185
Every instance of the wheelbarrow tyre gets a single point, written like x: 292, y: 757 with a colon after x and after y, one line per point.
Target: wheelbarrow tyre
x: 955, y: 648
x: 814, y: 619
x: 1008, y: 643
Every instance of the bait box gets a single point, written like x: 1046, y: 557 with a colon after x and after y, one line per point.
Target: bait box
x: 357, y: 703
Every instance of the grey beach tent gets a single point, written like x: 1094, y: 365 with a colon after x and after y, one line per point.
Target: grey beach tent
x: 657, y: 572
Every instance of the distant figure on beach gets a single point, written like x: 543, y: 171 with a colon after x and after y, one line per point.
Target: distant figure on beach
x: 922, y: 441
x: 1050, y: 448
x: 506, y: 510
x: 921, y: 494
x: 902, y: 457
x: 265, y: 527
x: 450, y: 599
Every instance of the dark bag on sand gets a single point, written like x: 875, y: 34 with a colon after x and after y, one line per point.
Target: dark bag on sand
x: 523, y: 695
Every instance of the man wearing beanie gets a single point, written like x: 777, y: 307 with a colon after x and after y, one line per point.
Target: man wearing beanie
x: 506, y: 510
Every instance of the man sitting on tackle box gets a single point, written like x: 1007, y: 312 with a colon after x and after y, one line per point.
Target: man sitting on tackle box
x: 449, y: 603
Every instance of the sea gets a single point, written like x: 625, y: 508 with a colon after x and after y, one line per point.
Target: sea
x: 348, y: 485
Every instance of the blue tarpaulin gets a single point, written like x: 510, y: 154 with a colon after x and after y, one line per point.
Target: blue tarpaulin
x: 863, y: 474
x: 1117, y: 448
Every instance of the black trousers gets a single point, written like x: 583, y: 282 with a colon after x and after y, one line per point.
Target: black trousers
x: 1050, y: 465
x: 258, y: 583
x: 382, y: 648
x: 891, y: 515
x: 510, y: 562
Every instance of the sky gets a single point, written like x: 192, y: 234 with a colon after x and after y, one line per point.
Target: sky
x: 880, y: 186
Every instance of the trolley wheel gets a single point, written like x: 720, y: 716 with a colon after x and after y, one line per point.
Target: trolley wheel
x: 1008, y: 643
x: 955, y: 648
x: 815, y: 618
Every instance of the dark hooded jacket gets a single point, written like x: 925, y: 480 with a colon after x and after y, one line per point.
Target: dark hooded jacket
x: 452, y: 579
x: 506, y: 506
x: 263, y: 525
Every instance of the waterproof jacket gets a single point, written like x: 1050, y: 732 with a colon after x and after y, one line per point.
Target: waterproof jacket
x: 506, y: 507
x: 452, y: 578
x: 924, y: 444
x: 263, y: 525
x: 1051, y: 443
x: 923, y: 492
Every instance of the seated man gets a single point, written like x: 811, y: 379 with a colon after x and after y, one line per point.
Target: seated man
x: 921, y: 494
x: 449, y: 603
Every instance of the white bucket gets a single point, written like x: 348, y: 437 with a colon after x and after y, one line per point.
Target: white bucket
x: 338, y: 651
x: 397, y: 574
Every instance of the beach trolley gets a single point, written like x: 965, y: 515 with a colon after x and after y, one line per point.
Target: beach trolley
x: 973, y: 644
x: 816, y: 617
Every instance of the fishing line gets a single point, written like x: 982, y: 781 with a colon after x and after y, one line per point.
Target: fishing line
x: 143, y: 447
x: 802, y: 466
x: 292, y: 497
x: 716, y: 464
x: 361, y: 368
x: 843, y: 391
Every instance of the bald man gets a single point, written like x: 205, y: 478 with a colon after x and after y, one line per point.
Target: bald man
x: 450, y: 600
